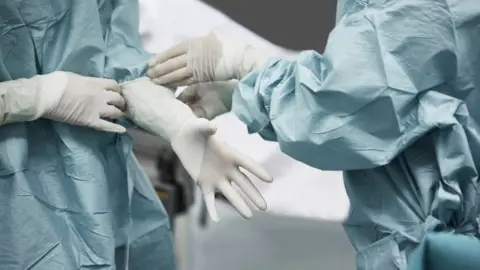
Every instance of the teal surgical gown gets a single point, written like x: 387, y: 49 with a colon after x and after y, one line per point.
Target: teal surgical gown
x: 394, y: 102
x: 73, y: 197
x: 440, y: 251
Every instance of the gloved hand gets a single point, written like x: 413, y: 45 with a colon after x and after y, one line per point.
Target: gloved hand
x: 210, y: 162
x: 209, y: 100
x: 63, y: 97
x: 215, y: 57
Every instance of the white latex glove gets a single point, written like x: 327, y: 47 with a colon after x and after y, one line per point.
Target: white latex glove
x: 209, y: 100
x: 63, y: 97
x: 210, y: 162
x: 215, y: 57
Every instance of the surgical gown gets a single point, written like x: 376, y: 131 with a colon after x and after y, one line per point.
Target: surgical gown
x: 441, y: 251
x: 394, y: 103
x: 73, y: 197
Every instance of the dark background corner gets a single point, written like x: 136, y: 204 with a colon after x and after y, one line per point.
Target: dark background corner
x: 295, y: 25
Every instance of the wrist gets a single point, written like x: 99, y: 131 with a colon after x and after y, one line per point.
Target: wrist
x: 181, y: 117
x: 172, y: 117
x: 252, y: 59
x: 51, y: 88
x: 232, y: 56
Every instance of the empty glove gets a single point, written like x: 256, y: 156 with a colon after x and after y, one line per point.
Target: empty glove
x: 64, y: 97
x: 211, y: 163
x: 209, y: 100
x: 215, y: 57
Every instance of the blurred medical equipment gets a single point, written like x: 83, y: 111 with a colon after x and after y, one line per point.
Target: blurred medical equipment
x: 74, y: 197
x: 392, y: 106
x: 177, y: 197
x: 172, y: 183
x: 210, y: 162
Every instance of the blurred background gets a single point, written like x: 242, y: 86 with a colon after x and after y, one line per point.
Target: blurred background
x: 302, y: 226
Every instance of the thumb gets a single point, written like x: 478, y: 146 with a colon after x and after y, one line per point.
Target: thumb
x: 205, y: 127
x: 104, y: 125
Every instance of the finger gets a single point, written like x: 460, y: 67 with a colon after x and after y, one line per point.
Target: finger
x: 210, y: 204
x: 205, y: 127
x: 235, y: 199
x: 248, y: 188
x: 115, y: 99
x: 168, y: 66
x: 108, y: 126
x: 186, y: 82
x: 111, y: 112
x: 173, y: 77
x: 175, y: 51
x: 243, y: 195
x: 253, y: 167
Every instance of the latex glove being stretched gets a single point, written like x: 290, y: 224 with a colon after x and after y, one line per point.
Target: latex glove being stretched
x: 215, y: 57
x: 210, y: 162
x: 209, y: 100
x: 64, y: 97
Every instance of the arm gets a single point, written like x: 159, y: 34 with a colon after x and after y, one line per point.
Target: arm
x: 211, y: 163
x: 378, y: 87
x: 23, y: 99
x: 63, y: 97
x: 155, y: 108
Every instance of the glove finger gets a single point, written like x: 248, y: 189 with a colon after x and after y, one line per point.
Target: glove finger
x: 210, y: 204
x: 191, y: 80
x: 248, y: 188
x: 168, y: 66
x: 115, y: 99
x: 252, y: 166
x: 235, y: 199
x: 243, y: 195
x: 173, y: 77
x: 175, y: 51
x: 111, y: 112
x: 108, y: 126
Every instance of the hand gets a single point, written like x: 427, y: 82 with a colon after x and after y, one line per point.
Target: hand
x: 211, y: 163
x: 214, y: 165
x: 215, y: 57
x: 209, y: 100
x: 82, y: 101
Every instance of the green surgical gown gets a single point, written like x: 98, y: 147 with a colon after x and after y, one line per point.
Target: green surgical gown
x: 72, y: 197
x: 394, y: 102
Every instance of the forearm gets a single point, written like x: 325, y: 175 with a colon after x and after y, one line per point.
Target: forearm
x: 155, y: 108
x: 28, y: 99
x: 361, y: 103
